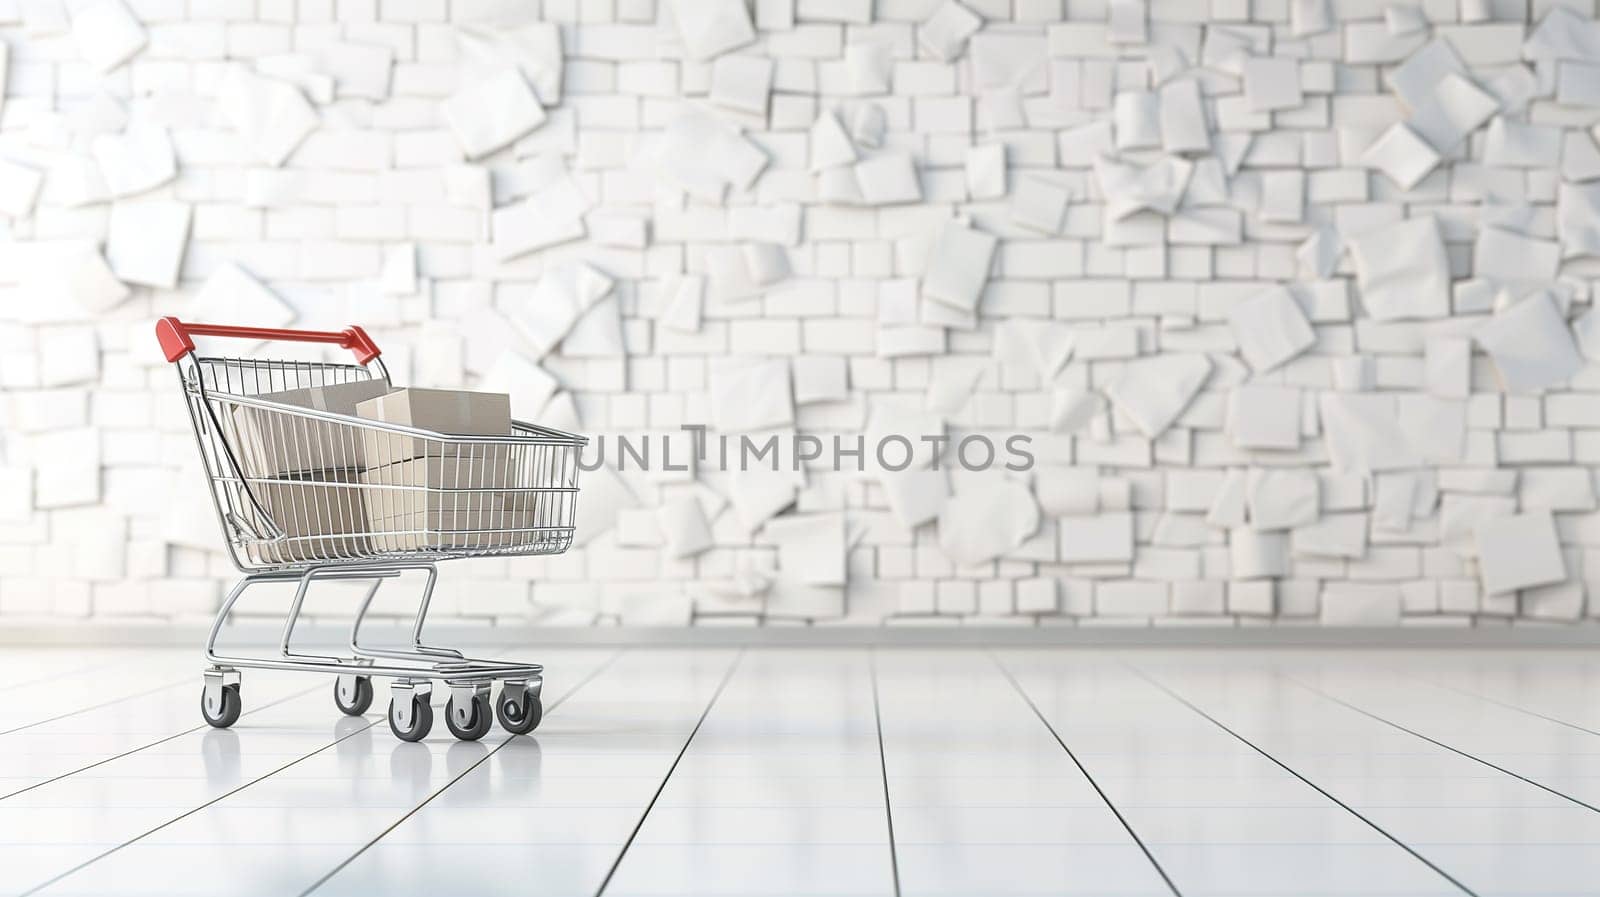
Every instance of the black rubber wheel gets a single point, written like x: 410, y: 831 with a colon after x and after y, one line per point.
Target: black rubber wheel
x: 421, y: 720
x: 228, y: 714
x: 478, y: 722
x: 363, y: 698
x: 519, y: 710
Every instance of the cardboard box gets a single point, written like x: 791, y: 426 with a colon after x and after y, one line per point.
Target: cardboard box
x: 406, y: 517
x: 273, y: 444
x: 448, y: 411
x: 327, y: 503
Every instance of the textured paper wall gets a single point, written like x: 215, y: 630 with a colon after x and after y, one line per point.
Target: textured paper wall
x: 1292, y: 298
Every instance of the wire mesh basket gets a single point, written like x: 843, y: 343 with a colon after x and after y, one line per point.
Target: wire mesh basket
x: 298, y: 485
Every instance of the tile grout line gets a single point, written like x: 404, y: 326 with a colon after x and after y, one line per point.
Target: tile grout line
x: 1434, y: 741
x: 62, y: 674
x: 159, y: 741
x: 883, y: 766
x: 1313, y: 785
x: 103, y: 704
x: 187, y: 813
x: 617, y: 863
x: 1127, y: 826
x: 1496, y: 701
x: 589, y: 677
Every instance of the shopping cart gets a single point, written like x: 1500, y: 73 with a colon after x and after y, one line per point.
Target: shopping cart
x: 306, y: 496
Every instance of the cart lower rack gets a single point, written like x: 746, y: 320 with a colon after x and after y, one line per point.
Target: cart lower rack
x: 308, y: 496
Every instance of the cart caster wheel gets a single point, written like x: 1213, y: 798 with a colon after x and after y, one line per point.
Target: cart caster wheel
x: 519, y: 710
x: 421, y: 720
x: 480, y: 718
x: 228, y: 713
x: 359, y: 702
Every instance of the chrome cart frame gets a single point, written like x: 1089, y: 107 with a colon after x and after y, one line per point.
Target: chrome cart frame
x: 306, y: 495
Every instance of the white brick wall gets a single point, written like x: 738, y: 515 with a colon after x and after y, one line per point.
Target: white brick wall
x: 1236, y: 244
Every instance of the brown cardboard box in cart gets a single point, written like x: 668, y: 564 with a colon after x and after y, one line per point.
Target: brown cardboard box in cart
x: 273, y: 444
x: 321, y: 514
x: 456, y: 499
x: 305, y: 472
x: 436, y: 493
x: 449, y: 411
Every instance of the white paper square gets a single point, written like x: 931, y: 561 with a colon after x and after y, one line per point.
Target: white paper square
x: 552, y: 216
x: 1040, y: 205
x: 19, y: 188
x: 682, y: 299
x: 1073, y: 408
x: 1403, y: 20
x: 1125, y: 22
x: 1099, y: 538
x: 1402, y: 155
x: 492, y: 113
x: 1131, y: 188
x: 561, y: 297
x: 1009, y: 63
x: 146, y: 239
x: 1272, y: 82
x: 1512, y: 144
x: 868, y: 124
x: 830, y: 145
x: 1136, y: 119
x: 597, y: 333
x: 139, y: 159
x: 529, y: 385
x: 1281, y: 498
x: 1436, y: 428
x: 1333, y: 535
x: 1447, y: 366
x: 72, y: 279
x: 958, y: 266
x: 709, y: 27
x: 915, y: 495
x: 271, y: 117
x: 107, y: 34
x: 820, y: 378
x: 1183, y: 118
x: 983, y: 523
x: 1403, y: 270
x: 683, y: 526
x: 1270, y: 328
x: 1518, y: 552
x: 811, y: 547
x: 1414, y: 80
x: 750, y: 395
x: 1454, y: 109
x: 870, y: 65
x: 767, y: 263
x: 945, y: 33
x: 1153, y: 391
x: 1578, y: 215
x: 1264, y: 417
x: 1283, y: 196
x: 1361, y: 432
x: 1507, y: 257
x: 605, y: 496
x: 1530, y: 344
x: 986, y: 171
x: 888, y: 178
x: 741, y: 83
x: 231, y: 296
x: 1254, y: 554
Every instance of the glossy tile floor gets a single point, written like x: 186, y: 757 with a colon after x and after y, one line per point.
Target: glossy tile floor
x: 840, y: 771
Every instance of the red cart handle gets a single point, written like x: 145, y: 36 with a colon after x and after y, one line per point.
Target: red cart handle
x: 176, y: 337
